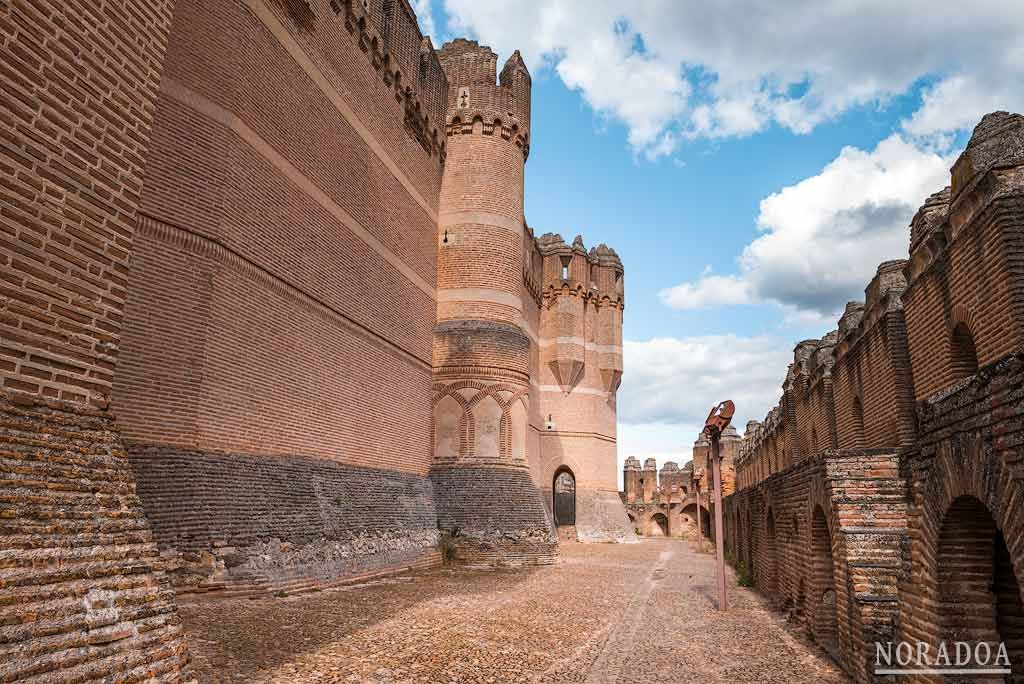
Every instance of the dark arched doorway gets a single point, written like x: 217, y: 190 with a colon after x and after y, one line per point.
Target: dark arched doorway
x: 564, y: 498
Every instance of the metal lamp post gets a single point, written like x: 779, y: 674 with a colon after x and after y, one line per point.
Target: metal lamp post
x: 698, y: 475
x: 717, y: 421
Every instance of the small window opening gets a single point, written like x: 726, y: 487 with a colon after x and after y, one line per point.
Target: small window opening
x: 565, y: 268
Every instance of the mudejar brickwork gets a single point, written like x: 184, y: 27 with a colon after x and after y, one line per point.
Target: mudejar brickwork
x: 881, y: 500
x: 273, y: 318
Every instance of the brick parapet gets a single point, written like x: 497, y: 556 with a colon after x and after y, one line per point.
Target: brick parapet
x: 948, y: 287
x: 388, y: 34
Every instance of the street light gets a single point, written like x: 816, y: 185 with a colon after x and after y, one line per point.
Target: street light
x: 698, y: 475
x: 717, y: 421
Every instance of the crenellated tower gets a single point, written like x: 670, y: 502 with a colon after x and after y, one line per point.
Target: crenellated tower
x: 579, y: 370
x: 482, y: 341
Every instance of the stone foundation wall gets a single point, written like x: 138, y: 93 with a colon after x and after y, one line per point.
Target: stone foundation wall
x: 494, y: 516
x: 83, y: 596
x: 601, y: 517
x: 233, y: 522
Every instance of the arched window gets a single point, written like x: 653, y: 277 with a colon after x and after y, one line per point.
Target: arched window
x: 963, y: 356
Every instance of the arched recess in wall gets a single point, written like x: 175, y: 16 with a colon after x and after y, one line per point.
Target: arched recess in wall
x: 447, y: 429
x: 963, y: 355
x: 690, y: 512
x: 751, y: 546
x: 487, y: 429
x: 979, y: 594
x: 517, y: 423
x: 823, y: 585
x: 657, y: 526
x: 770, y: 574
x: 858, y: 423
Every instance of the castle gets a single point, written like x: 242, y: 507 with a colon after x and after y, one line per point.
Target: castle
x: 272, y: 318
x: 880, y: 501
x: 665, y: 503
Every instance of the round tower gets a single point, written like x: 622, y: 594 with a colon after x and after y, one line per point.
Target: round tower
x: 631, y: 480
x: 649, y: 479
x: 482, y: 344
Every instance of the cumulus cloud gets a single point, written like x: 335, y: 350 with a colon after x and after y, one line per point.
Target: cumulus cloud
x: 425, y: 15
x: 823, y: 237
x: 675, y: 70
x: 675, y: 381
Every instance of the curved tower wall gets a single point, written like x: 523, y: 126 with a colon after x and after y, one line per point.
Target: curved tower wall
x: 485, y: 496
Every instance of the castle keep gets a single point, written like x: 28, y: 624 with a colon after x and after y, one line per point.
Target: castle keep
x: 880, y: 501
x: 272, y: 318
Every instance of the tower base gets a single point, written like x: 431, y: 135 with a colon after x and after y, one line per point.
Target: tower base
x: 493, y: 517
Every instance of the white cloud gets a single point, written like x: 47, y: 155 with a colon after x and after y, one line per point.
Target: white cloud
x: 672, y: 383
x: 672, y: 70
x: 824, y: 236
x: 425, y: 14
x: 677, y: 380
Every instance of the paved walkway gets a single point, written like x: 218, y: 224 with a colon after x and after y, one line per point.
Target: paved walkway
x: 605, y: 614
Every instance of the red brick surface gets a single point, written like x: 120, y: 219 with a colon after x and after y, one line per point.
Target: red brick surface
x: 924, y: 524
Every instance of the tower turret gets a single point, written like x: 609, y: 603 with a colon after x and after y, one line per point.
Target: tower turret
x: 631, y: 480
x: 608, y: 289
x: 649, y: 479
x: 566, y: 275
x: 482, y: 342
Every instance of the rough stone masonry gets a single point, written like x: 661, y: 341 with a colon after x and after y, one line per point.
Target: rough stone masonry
x: 272, y: 318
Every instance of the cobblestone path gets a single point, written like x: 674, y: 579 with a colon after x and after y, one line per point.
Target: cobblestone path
x: 605, y: 614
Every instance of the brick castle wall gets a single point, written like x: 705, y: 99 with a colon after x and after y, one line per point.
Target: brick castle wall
x: 923, y: 540
x: 328, y: 347
x: 252, y: 335
x: 84, y: 596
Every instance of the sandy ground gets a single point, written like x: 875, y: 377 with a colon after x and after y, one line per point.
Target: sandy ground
x: 631, y: 613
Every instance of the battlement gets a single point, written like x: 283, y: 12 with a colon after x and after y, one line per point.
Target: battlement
x: 481, y: 102
x: 997, y: 142
x: 388, y: 33
x: 571, y: 269
x: 925, y: 321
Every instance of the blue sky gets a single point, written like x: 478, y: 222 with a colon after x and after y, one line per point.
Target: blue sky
x: 751, y: 166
